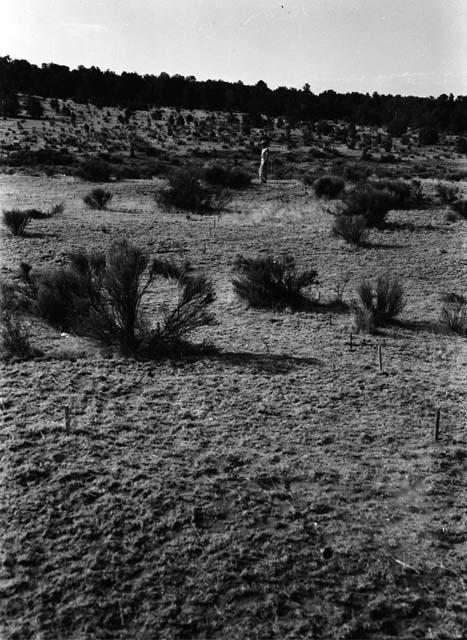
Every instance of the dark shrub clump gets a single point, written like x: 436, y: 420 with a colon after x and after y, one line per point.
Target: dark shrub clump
x: 187, y: 192
x: 233, y: 178
x: 460, y: 207
x: 378, y: 305
x: 447, y: 193
x: 97, y: 199
x: 328, y: 186
x: 95, y: 170
x: 352, y: 229
x: 16, y: 221
x: 454, y: 313
x: 371, y: 203
x: 100, y: 295
x: 271, y: 283
x: 14, y: 333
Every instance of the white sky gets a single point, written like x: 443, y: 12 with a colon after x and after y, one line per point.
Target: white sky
x: 416, y: 47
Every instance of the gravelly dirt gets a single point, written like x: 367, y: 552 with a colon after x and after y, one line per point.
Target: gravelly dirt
x: 202, y: 498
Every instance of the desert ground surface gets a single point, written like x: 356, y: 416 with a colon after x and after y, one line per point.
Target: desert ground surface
x: 281, y: 485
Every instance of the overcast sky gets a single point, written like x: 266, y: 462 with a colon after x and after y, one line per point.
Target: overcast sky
x: 416, y: 47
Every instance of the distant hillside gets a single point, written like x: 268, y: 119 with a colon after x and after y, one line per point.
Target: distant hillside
x: 445, y: 113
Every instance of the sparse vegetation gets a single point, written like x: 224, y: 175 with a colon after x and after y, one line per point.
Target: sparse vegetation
x: 228, y: 478
x: 271, y: 283
x: 97, y: 199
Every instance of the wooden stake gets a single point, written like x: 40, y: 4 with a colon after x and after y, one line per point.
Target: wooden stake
x: 351, y: 342
x: 67, y: 419
x: 436, y: 429
x: 380, y: 359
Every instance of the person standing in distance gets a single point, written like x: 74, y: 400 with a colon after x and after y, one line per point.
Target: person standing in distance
x: 264, y: 166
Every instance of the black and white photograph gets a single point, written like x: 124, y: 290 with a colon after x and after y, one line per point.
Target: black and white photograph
x: 233, y: 319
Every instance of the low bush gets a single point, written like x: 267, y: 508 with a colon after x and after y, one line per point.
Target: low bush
x: 97, y: 199
x: 38, y: 214
x: 234, y: 178
x: 352, y: 229
x: 329, y: 186
x: 460, y: 207
x: 186, y: 191
x: 14, y: 333
x: 271, y: 283
x: 363, y: 320
x: 400, y: 190
x: 371, y: 203
x: 16, y: 221
x: 95, y: 170
x: 100, y: 295
x: 356, y: 172
x: 378, y: 305
x: 454, y: 313
x: 447, y: 193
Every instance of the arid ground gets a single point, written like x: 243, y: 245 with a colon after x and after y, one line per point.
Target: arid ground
x: 281, y: 486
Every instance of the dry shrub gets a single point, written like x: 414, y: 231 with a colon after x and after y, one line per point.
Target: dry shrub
x: 454, y: 313
x: 328, y: 186
x: 97, y: 199
x: 231, y: 177
x: 100, y: 295
x: 447, y: 193
x: 460, y: 207
x: 16, y: 221
x: 186, y: 191
x: 379, y: 305
x: 14, y: 333
x: 371, y: 203
x: 352, y: 229
x: 95, y: 170
x: 271, y: 283
x: 38, y: 214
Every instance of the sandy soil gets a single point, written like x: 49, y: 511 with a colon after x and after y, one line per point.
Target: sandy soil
x: 283, y: 487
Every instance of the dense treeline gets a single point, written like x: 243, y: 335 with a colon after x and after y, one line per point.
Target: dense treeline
x: 135, y: 91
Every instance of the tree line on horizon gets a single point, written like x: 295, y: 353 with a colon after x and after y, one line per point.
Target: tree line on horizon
x: 131, y: 90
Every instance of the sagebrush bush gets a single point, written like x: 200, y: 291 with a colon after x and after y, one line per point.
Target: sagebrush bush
x: 271, y: 283
x: 460, y: 207
x: 97, y: 199
x: 352, y: 229
x: 454, y: 313
x: 447, y: 193
x: 16, y: 221
x: 14, y: 333
x: 186, y: 191
x: 232, y: 177
x: 100, y: 295
x: 379, y: 305
x: 329, y: 186
x: 363, y: 319
x: 95, y: 170
x: 371, y: 203
x: 38, y: 214
x: 400, y: 190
